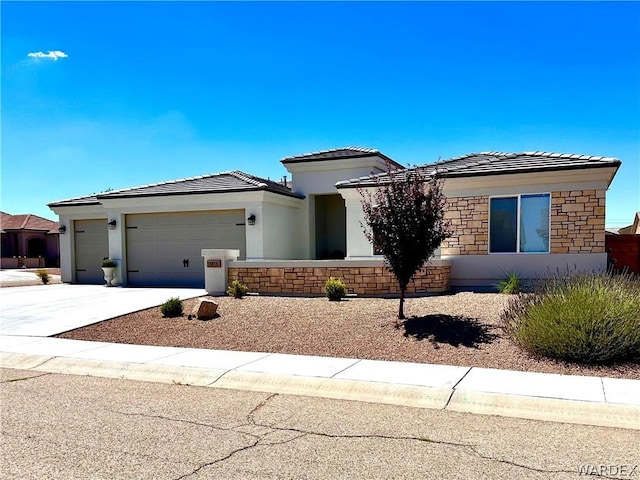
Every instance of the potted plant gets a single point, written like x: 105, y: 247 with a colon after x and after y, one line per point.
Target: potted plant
x: 108, y: 269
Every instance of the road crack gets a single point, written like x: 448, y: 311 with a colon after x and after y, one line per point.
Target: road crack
x: 258, y: 440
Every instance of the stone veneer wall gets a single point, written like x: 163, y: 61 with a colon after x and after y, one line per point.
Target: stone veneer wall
x: 365, y: 280
x: 469, y: 217
x: 577, y: 221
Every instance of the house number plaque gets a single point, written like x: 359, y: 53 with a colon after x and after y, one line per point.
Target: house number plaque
x: 214, y: 263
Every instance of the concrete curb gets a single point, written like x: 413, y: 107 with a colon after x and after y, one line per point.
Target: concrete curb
x: 547, y: 409
x: 443, y: 398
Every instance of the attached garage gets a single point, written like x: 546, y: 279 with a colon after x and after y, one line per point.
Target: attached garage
x: 164, y: 249
x: 91, y: 246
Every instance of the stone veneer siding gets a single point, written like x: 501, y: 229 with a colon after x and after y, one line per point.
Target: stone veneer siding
x: 577, y: 223
x: 469, y: 217
x: 358, y: 280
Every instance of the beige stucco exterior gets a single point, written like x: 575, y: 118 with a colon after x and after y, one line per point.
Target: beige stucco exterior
x: 285, y: 226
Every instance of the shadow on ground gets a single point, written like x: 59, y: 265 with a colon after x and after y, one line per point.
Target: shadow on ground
x: 455, y: 331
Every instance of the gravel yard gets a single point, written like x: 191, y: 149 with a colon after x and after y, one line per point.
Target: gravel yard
x: 461, y: 329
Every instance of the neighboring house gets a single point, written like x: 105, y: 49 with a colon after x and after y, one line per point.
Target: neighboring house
x: 530, y: 213
x: 28, y: 241
x: 623, y: 246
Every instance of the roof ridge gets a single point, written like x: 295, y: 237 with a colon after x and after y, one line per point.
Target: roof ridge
x: 247, y: 177
x: 26, y: 220
x: 331, y: 150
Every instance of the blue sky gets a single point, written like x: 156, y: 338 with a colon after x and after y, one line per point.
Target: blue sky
x: 146, y: 92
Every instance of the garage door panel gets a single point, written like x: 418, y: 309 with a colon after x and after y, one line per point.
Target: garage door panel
x: 91, y: 246
x: 159, y: 244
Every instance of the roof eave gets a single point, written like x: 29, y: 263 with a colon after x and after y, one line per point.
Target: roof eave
x: 204, y: 192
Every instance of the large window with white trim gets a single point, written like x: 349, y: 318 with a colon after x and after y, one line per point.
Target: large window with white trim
x: 519, y: 223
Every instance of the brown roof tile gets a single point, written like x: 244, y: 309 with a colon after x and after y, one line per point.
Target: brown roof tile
x: 234, y: 181
x: 27, y: 221
x: 498, y: 163
x: 339, y: 154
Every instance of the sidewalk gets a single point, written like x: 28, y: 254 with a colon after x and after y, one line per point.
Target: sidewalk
x: 561, y: 398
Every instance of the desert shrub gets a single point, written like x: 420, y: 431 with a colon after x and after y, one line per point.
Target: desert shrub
x: 172, y: 307
x: 108, y: 263
x: 237, y: 289
x: 510, y: 284
x: 43, y: 275
x: 334, y: 289
x: 590, y: 318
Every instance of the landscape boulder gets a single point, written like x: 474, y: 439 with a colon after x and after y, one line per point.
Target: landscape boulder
x: 205, y: 310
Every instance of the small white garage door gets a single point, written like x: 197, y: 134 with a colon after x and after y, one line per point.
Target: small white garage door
x: 165, y: 249
x: 91, y: 240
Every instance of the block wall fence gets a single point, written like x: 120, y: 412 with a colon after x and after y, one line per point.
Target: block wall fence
x: 359, y: 280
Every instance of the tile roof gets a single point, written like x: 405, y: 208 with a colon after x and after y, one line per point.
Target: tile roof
x: 233, y: 181
x: 338, y: 154
x: 27, y: 221
x: 498, y: 163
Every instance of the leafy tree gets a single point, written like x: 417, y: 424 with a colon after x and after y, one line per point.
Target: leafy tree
x: 404, y: 217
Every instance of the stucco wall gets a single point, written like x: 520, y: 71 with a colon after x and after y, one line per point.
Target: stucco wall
x: 280, y: 223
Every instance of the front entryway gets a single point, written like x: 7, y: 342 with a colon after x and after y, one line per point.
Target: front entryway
x: 331, y: 227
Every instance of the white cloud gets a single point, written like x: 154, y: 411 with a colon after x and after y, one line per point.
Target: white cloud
x: 51, y: 54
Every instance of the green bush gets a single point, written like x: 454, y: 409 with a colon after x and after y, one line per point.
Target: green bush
x: 43, y: 275
x: 172, y: 307
x: 589, y: 318
x: 237, y: 289
x: 108, y: 263
x: 334, y: 289
x: 510, y: 284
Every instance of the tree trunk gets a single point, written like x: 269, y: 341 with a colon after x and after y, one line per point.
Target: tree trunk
x: 403, y: 290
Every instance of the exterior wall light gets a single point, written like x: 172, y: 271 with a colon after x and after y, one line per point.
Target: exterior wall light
x: 251, y: 220
x: 112, y: 224
x: 62, y: 229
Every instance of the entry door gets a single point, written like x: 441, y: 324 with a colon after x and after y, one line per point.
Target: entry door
x: 165, y: 249
x: 91, y: 240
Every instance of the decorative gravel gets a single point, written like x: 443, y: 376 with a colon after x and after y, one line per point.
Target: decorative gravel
x: 461, y: 329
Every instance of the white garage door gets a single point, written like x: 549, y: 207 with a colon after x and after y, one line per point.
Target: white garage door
x: 165, y: 249
x: 91, y: 246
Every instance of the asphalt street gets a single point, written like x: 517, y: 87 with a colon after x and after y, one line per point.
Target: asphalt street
x: 76, y: 427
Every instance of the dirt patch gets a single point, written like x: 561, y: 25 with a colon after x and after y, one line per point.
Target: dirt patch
x: 461, y: 329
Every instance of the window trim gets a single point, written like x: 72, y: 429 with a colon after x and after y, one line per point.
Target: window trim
x: 518, y: 196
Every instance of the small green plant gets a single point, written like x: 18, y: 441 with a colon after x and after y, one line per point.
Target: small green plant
x: 108, y: 263
x: 43, y: 275
x: 587, y: 318
x: 334, y: 289
x: 237, y: 289
x: 510, y: 285
x: 172, y: 307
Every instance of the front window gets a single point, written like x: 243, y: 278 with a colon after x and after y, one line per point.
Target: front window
x: 519, y: 224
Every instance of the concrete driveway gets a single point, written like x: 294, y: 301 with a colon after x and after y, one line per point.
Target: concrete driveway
x: 47, y: 310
